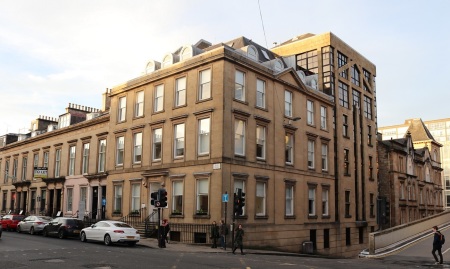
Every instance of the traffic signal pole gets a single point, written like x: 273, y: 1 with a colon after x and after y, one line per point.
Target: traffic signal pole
x: 225, y: 223
x: 159, y: 227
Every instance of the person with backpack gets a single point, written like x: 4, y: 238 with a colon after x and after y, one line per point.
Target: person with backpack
x: 438, y: 240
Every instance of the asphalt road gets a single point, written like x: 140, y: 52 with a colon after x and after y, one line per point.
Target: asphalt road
x: 419, y: 254
x: 35, y: 251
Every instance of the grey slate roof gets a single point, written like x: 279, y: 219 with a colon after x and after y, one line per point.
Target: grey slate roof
x: 418, y: 130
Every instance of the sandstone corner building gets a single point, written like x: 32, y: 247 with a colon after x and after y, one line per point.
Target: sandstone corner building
x: 293, y: 127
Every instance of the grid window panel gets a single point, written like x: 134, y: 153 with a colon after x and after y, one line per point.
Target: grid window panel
x: 204, y: 91
x: 239, y: 88
x: 180, y: 92
x: 139, y: 106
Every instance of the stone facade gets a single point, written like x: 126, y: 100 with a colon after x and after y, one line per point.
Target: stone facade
x: 409, y: 176
x: 212, y: 119
x: 440, y: 130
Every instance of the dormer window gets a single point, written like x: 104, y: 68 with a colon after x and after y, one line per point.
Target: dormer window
x: 278, y: 66
x: 64, y: 121
x: 150, y: 68
x: 252, y: 53
x: 168, y: 60
x: 186, y: 53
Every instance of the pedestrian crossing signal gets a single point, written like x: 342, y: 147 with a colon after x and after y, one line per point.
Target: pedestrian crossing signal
x: 162, y: 195
x: 154, y: 198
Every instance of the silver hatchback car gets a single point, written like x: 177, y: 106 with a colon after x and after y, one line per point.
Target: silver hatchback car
x: 33, y: 224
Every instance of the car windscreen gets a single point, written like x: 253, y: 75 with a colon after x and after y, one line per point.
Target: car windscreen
x: 75, y: 222
x: 46, y: 218
x: 122, y: 225
x: 18, y: 217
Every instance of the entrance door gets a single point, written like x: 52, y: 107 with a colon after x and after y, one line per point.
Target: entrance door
x: 103, y: 202
x: 51, y: 207
x: 153, y: 187
x: 19, y: 202
x: 58, y: 202
x: 94, y: 202
x: 25, y: 202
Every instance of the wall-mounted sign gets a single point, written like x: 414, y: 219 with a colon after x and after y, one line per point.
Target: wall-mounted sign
x: 40, y: 172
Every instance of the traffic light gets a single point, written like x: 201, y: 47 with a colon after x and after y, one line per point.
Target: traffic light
x: 162, y: 195
x: 242, y: 200
x: 239, y: 202
x: 154, y: 198
x: 235, y: 205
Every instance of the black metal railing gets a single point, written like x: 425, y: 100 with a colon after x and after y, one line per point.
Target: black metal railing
x: 151, y: 227
x: 190, y: 233
x: 136, y: 217
x: 93, y: 217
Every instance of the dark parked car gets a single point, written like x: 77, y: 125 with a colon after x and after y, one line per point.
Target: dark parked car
x: 9, y: 222
x: 63, y: 227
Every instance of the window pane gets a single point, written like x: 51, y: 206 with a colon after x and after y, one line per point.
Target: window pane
x: 157, y: 143
x: 179, y: 140
x: 139, y: 109
x: 260, y: 142
x: 203, y: 136
x: 180, y: 92
x: 120, y: 150
x: 260, y: 93
x: 239, y: 138
x: 239, y: 92
x: 137, y: 147
x: 159, y: 98
x: 205, y: 84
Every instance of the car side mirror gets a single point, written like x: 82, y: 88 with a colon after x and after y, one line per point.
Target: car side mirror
x: 93, y: 225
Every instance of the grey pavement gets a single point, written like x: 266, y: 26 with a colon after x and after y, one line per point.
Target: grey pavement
x: 206, y: 248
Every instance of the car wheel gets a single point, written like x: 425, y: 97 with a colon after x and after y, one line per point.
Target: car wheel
x: 8, y: 228
x: 131, y: 244
x: 32, y: 230
x: 107, y: 240
x: 45, y: 233
x: 18, y: 229
x: 83, y: 237
x: 61, y: 234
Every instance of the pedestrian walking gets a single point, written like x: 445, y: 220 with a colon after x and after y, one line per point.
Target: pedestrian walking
x: 167, y: 231
x: 223, y: 230
x: 238, y: 238
x: 437, y: 245
x: 164, y: 230
x: 214, y: 234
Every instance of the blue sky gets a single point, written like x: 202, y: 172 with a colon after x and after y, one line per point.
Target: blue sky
x: 55, y: 52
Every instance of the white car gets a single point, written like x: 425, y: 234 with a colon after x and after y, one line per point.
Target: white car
x: 109, y: 232
x: 33, y: 224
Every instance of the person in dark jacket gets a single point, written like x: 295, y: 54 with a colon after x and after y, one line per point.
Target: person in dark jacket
x: 214, y: 234
x: 223, y: 230
x: 164, y: 230
x: 437, y: 245
x: 238, y: 238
